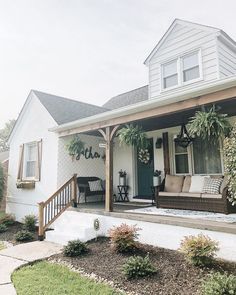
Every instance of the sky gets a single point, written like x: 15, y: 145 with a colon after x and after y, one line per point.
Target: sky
x: 89, y: 50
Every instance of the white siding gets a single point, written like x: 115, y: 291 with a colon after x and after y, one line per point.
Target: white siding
x: 183, y: 39
x: 227, y: 60
x: 84, y: 167
x: 34, y: 126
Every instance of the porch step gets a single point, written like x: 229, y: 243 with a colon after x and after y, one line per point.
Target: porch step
x: 71, y: 226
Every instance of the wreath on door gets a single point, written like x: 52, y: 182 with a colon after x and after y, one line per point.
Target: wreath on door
x: 144, y: 156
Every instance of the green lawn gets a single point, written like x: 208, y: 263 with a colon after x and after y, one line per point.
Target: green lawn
x: 44, y: 278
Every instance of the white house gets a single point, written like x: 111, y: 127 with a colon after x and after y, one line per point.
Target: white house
x: 191, y: 66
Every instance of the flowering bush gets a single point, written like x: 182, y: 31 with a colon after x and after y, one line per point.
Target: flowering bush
x: 123, y: 238
x: 199, y: 250
x: 229, y: 149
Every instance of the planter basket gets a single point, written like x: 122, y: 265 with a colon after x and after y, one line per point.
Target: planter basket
x: 25, y: 185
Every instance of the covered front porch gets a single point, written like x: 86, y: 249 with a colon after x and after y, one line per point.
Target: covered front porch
x: 161, y: 125
x: 161, y: 122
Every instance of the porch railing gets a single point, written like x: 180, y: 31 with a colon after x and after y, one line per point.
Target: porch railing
x: 51, y: 209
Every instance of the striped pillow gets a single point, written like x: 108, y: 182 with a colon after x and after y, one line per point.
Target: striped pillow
x: 95, y: 186
x: 212, y: 185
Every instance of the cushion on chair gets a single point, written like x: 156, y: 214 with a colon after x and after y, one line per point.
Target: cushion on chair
x: 197, y: 183
x: 168, y: 194
x: 212, y: 185
x: 173, y: 183
x: 190, y: 195
x: 187, y: 183
x: 95, y: 185
x: 211, y: 196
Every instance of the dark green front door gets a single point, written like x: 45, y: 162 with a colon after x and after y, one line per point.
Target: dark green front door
x: 145, y: 173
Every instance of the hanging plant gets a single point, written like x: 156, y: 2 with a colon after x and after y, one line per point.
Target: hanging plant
x: 209, y: 125
x: 133, y: 135
x: 229, y: 150
x: 144, y: 156
x: 75, y: 147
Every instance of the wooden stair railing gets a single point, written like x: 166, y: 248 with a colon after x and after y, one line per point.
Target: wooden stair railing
x: 51, y: 209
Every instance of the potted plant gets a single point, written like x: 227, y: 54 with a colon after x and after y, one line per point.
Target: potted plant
x: 156, y: 177
x: 75, y: 147
x: 209, y: 125
x: 122, y: 177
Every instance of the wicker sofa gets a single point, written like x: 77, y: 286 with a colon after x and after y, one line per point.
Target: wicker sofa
x: 174, y: 193
x: 83, y: 187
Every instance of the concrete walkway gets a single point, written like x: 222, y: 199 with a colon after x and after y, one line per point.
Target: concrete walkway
x: 12, y: 258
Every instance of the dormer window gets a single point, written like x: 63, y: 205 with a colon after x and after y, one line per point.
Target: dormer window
x: 170, y: 74
x: 190, y: 67
x: 182, y: 70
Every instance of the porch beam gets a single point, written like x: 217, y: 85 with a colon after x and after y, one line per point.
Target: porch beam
x: 158, y: 111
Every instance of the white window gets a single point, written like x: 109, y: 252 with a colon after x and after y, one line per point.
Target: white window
x: 29, y: 166
x: 206, y: 157
x: 31, y: 159
x: 170, y: 74
x: 182, y: 70
x: 181, y: 160
x: 198, y: 158
x: 190, y: 64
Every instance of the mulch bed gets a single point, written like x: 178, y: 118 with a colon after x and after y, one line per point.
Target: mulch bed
x: 8, y: 236
x: 174, y: 276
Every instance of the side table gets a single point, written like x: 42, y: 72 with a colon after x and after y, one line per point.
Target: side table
x: 122, y: 193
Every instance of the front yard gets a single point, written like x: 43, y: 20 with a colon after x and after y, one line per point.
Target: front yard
x: 174, y: 274
x: 47, y: 278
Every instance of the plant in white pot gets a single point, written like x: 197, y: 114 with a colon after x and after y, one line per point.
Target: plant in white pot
x: 157, y: 177
x: 122, y: 177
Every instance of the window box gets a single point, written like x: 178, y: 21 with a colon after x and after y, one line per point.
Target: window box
x: 25, y: 184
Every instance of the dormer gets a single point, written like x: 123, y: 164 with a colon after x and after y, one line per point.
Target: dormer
x: 187, y: 55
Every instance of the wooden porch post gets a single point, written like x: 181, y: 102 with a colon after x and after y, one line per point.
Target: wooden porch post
x: 109, y: 172
x: 108, y: 136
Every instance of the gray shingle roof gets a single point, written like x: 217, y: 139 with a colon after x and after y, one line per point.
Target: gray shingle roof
x: 64, y: 110
x: 127, y: 98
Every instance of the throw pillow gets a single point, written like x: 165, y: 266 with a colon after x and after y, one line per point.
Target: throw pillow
x: 197, y: 183
x: 174, y: 183
x: 95, y: 185
x: 187, y: 184
x: 212, y: 185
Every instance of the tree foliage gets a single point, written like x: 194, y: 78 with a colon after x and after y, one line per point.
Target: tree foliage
x: 4, y: 135
x: 2, y: 181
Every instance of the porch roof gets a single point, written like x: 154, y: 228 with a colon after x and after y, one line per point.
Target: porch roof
x: 167, y: 104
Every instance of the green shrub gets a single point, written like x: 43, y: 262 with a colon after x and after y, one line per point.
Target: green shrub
x: 137, y: 266
x: 123, y: 238
x: 219, y: 284
x: 29, y: 222
x: 8, y: 219
x: 24, y: 236
x: 199, y: 250
x: 75, y: 248
x: 3, y: 228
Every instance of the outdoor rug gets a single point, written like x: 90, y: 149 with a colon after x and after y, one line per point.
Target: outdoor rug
x: 231, y: 218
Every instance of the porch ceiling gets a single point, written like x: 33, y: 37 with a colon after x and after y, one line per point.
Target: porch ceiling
x: 178, y: 117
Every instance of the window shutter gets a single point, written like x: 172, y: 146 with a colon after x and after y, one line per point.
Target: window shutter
x: 39, y: 161
x: 21, y: 162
